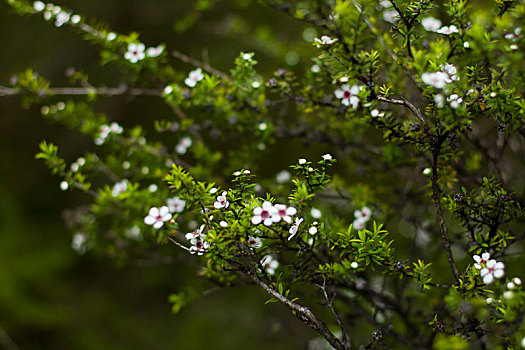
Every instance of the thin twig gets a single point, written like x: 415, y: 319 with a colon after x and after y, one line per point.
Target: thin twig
x: 403, y: 102
x: 6, y: 341
x: 436, y: 193
x: 179, y: 245
x: 330, y: 304
x: 121, y: 90
x: 197, y: 63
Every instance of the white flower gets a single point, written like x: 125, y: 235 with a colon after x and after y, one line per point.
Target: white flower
x: 523, y: 343
x: 466, y: 44
x: 176, y: 205
x: 213, y: 190
x: 283, y: 176
x: 436, y: 79
x: 481, y: 261
x: 111, y: 36
x: 64, y: 185
x: 390, y: 16
x: 246, y: 172
x: 78, y: 243
x: 194, y: 77
x: 254, y: 242
x: 450, y: 72
x: 511, y: 285
x: 133, y: 233
x: 348, y: 95
x: 153, y: 188
x: 62, y: 18
x: 263, y: 214
x: 154, y: 51
x: 427, y: 171
x: 135, y: 52
x: 324, y: 41
x: 237, y: 173
x: 455, y: 101
x: 374, y: 113
x: 493, y: 269
x: 247, y: 56
x: 363, y: 214
x: 508, y: 295
x: 295, y: 227
x: 75, y: 19
x: 221, y: 202
x: 439, y: 99
x: 312, y: 230
x: 39, y: 6
x: 354, y: 265
x: 359, y: 224
x: 302, y: 161
x: 269, y: 264
x: 199, y: 246
x: 157, y: 217
x: 489, y: 301
x: 385, y: 3
x: 283, y: 212
x: 447, y: 30
x: 223, y: 224
x: 196, y: 234
x: 517, y: 281
x: 327, y: 156
x: 316, y: 213
x: 431, y: 24
x: 119, y: 187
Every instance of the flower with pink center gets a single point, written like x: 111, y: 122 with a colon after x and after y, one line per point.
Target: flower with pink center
x: 135, y: 52
x: 493, y: 269
x: 363, y: 214
x: 481, y: 261
x: 283, y: 212
x: 157, y: 217
x: 176, y: 204
x: 196, y: 234
x: 254, y: 242
x: 348, y: 95
x: 194, y: 77
x: 199, y: 246
x: 221, y: 202
x: 263, y: 214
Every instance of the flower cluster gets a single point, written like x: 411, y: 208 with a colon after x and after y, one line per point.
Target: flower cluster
x: 198, y: 241
x: 137, y: 52
x: 157, y: 217
x: 269, y: 214
x: 194, y: 77
x: 490, y: 268
x: 56, y: 12
x: 324, y: 41
x: 119, y: 187
x: 105, y: 130
x: 222, y: 202
x: 447, y: 30
x: 439, y: 79
x: 431, y: 24
x: 183, y: 145
x: 269, y: 264
x: 361, y: 218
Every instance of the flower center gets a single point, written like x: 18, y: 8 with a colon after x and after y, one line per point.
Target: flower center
x: 282, y: 212
x: 265, y: 214
x: 347, y: 94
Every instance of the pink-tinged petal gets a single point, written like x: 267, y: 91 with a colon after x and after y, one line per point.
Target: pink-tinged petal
x: 158, y: 225
x: 257, y: 211
x: 268, y: 222
x: 149, y: 220
x: 164, y: 210
x: 491, y: 263
x: 217, y: 205
x: 476, y: 258
x: 256, y: 220
x: 166, y: 217
x: 499, y: 273
x: 488, y: 279
x: 338, y: 93
x: 154, y: 211
x: 291, y: 211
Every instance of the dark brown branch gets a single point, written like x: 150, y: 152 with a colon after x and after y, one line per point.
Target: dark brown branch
x: 301, y: 312
x: 436, y: 194
x: 330, y: 304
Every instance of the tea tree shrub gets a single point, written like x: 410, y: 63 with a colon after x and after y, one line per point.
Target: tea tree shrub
x: 398, y: 219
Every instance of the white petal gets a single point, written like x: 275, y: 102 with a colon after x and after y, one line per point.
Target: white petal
x: 149, y: 220
x: 287, y: 219
x: 488, y: 279
x: 166, y: 217
x: 345, y: 102
x: 354, y: 101
x: 164, y: 210
x: 154, y: 211
x: 268, y: 222
x: 158, y: 225
x: 257, y: 211
x: 256, y: 220
x: 499, y: 273
x: 338, y: 93
x: 291, y: 211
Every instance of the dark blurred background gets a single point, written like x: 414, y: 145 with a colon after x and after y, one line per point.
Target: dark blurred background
x: 52, y: 298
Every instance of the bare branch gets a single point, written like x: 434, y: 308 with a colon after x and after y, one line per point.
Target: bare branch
x: 121, y: 90
x: 403, y: 102
x: 197, y: 63
x: 330, y: 304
